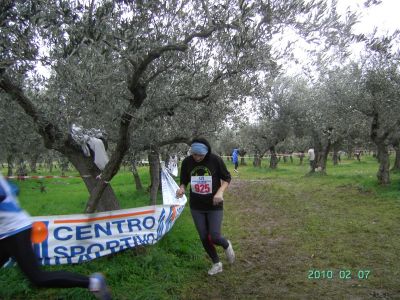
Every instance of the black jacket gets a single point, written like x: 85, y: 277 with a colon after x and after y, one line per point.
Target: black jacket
x: 212, y: 169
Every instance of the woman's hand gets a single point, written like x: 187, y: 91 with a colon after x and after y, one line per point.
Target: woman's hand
x: 180, y: 192
x: 218, y: 198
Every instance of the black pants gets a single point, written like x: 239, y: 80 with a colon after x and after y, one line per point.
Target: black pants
x: 208, y: 225
x: 19, y: 247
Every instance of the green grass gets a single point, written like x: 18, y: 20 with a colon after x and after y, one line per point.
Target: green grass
x: 343, y: 221
x: 282, y: 223
x: 55, y: 202
x: 155, y: 272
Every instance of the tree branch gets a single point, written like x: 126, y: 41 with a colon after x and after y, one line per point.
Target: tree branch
x: 156, y: 53
x: 47, y: 130
x: 201, y: 34
x: 169, y: 141
x: 157, y: 73
x: 114, y: 163
x: 198, y: 98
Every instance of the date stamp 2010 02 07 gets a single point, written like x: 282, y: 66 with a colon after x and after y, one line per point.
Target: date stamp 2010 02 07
x: 344, y: 274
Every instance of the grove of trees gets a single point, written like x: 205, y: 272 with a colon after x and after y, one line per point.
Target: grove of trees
x: 153, y: 74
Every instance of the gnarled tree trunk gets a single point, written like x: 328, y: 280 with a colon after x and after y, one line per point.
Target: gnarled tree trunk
x: 10, y: 165
x: 154, y: 163
x: 89, y: 173
x: 257, y: 160
x: 335, y: 156
x: 396, y: 165
x: 273, y: 163
x: 33, y: 163
x: 135, y: 173
x: 323, y: 158
x: 379, y: 138
x: 242, y: 153
x: 383, y: 173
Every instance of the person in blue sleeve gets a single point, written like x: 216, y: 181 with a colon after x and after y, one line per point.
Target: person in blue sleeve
x: 235, y: 159
x: 208, y: 178
x: 15, y: 243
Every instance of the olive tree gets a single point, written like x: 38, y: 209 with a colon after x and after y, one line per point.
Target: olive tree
x: 106, y: 56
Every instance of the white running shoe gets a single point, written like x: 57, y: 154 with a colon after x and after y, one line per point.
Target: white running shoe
x: 99, y: 288
x: 230, y: 254
x: 215, y: 269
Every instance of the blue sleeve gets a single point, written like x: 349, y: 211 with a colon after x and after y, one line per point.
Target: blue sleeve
x: 2, y: 194
x: 14, y: 191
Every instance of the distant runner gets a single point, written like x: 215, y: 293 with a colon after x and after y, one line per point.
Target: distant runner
x: 235, y: 159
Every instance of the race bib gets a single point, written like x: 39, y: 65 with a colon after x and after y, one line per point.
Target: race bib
x: 201, y: 185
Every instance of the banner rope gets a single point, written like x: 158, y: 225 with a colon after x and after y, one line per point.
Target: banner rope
x: 45, y: 177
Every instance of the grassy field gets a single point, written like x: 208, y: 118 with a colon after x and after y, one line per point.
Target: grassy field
x: 295, y: 236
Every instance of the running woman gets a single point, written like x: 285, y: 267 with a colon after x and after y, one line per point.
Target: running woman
x: 208, y: 178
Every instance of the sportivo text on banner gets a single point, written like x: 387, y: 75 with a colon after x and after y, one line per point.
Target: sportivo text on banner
x: 69, y: 239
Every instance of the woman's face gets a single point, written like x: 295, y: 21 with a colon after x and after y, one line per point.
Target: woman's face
x: 198, y: 157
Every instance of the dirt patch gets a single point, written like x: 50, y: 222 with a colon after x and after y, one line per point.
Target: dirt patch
x: 281, y: 230
x: 262, y: 254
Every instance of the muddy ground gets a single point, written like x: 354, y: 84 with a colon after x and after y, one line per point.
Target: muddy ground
x: 271, y: 262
